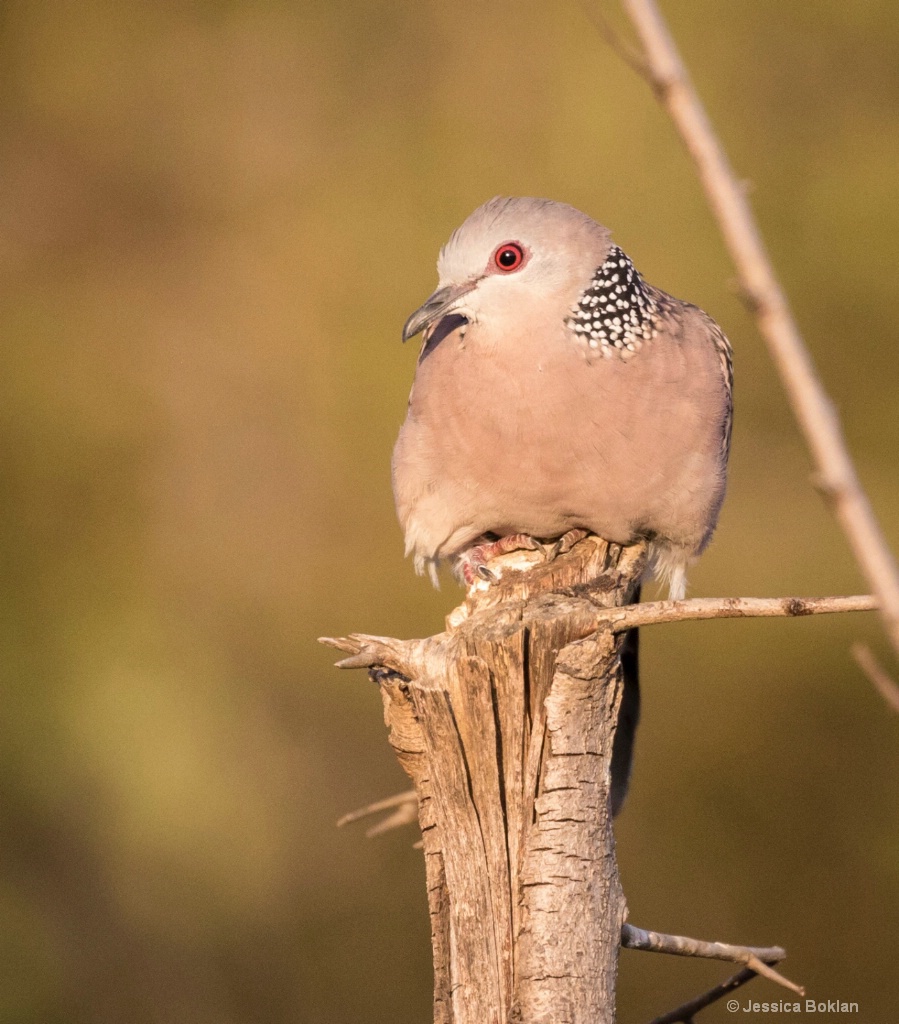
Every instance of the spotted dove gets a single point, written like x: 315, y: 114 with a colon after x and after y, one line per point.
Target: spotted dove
x: 556, y: 390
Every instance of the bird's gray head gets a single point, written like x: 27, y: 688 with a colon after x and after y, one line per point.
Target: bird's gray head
x: 510, y: 255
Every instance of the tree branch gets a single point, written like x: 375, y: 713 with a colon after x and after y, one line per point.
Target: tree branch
x: 756, y: 958
x: 733, y: 608
x: 406, y: 657
x: 367, y: 651
x: 403, y: 805
x: 662, y: 66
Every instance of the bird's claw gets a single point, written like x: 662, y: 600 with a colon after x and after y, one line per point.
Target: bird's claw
x: 472, y: 564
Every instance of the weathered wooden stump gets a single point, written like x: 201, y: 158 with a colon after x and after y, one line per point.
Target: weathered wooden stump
x: 505, y: 724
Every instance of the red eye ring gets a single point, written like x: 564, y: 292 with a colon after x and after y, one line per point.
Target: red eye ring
x: 508, y: 257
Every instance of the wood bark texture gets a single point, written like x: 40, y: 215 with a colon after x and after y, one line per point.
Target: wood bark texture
x: 505, y: 725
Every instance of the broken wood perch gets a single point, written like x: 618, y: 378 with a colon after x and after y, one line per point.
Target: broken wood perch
x: 505, y: 723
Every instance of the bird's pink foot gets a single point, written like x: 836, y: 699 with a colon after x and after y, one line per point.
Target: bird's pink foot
x: 471, y: 565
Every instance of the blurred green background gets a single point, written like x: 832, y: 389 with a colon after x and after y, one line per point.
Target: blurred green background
x: 215, y: 218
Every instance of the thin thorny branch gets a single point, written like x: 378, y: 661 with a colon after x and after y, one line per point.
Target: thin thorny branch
x: 754, y: 957
x: 404, y: 808
x: 758, y: 961
x: 734, y: 608
x: 661, y: 64
x: 388, y: 803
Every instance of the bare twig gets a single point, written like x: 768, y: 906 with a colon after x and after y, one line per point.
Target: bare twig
x: 405, y: 810
x: 754, y: 957
x: 733, y: 608
x: 684, y: 1014
x: 813, y: 409
x: 886, y: 686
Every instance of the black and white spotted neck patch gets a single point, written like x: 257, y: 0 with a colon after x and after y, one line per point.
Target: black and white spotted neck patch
x: 618, y: 312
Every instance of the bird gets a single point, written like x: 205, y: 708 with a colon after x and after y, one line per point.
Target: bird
x: 557, y: 393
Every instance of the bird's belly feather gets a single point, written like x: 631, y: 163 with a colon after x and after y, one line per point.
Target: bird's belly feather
x: 622, y: 449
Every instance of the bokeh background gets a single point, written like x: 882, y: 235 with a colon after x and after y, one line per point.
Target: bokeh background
x: 215, y: 218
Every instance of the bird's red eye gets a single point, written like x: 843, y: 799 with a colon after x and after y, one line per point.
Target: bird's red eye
x: 509, y: 256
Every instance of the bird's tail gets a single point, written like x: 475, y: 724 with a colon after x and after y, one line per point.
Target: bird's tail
x: 628, y: 716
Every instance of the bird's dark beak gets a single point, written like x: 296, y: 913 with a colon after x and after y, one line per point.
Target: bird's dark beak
x: 438, y: 306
